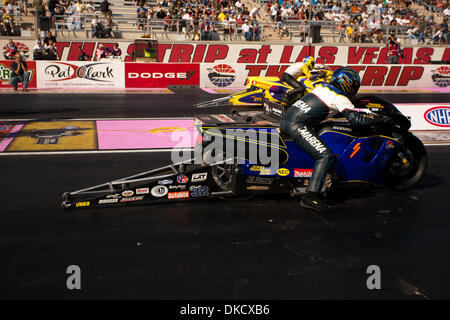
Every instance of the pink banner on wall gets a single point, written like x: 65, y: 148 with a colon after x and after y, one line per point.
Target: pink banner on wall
x: 145, y: 134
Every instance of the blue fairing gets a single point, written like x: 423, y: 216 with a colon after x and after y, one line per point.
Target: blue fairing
x: 359, y: 159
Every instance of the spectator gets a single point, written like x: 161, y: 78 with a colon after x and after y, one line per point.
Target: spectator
x: 393, y: 45
x: 51, y: 51
x: 117, y: 52
x: 168, y: 22
x: 141, y: 16
x: 40, y: 8
x: 196, y: 23
x: 100, y: 52
x: 98, y: 29
x: 104, y: 8
x: 255, y: 13
x: 206, y: 28
x: 19, y: 72
x: 247, y: 31
x: 90, y: 8
x: 7, y: 25
x: 108, y: 27
x: 226, y: 28
x: 49, y: 37
x: 11, y: 49
x: 186, y: 24
x: 39, y: 51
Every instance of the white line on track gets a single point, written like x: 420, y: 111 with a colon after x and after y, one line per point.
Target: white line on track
x: 43, y: 153
x: 101, y: 119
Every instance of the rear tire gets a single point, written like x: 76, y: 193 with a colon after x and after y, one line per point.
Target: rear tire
x: 401, y: 178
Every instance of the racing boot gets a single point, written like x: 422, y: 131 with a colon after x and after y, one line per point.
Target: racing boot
x: 313, y: 201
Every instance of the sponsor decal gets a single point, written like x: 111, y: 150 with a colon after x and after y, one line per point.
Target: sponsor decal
x: 178, y: 195
x: 167, y: 181
x: 113, y: 196
x: 283, y: 172
x: 199, y: 177
x: 178, y: 187
x: 265, y: 171
x: 312, y: 140
x: 199, y: 191
x: 83, y: 204
x: 158, y: 75
x: 438, y: 116
x: 161, y: 75
x: 80, y: 74
x: 106, y: 201
x: 61, y: 71
x: 389, y: 144
x: 258, y: 188
x: 132, y: 199
x: 221, y: 75
x: 127, y: 193
x: 21, y: 47
x: 142, y: 190
x: 259, y: 180
x: 182, y: 178
x: 303, y: 173
x: 339, y: 128
x: 256, y: 168
x: 302, y: 106
x: 441, y: 76
x: 159, y: 191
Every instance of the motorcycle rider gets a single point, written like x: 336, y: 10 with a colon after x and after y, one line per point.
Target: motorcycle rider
x: 304, y: 115
x: 294, y: 71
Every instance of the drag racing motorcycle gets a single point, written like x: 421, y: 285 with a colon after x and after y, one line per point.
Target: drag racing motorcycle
x: 383, y: 156
x: 272, y: 89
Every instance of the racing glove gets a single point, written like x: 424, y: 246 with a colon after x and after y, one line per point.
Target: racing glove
x: 362, y: 119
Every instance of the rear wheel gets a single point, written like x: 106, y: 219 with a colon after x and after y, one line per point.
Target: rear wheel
x: 407, y: 166
x: 222, y: 173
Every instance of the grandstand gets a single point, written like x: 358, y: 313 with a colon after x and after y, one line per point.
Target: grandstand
x: 286, y: 20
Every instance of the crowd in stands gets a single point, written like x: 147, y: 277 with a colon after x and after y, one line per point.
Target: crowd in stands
x: 366, y: 20
x: 202, y: 19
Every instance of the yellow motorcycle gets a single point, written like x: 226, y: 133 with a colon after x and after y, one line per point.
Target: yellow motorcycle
x: 270, y: 89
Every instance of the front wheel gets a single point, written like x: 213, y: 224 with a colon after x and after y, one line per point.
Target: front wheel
x: 407, y: 166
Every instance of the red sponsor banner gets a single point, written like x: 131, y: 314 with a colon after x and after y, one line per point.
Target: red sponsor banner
x: 161, y: 75
x: 5, y: 73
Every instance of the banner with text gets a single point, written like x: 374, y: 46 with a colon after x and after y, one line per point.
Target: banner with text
x: 220, y: 75
x: 161, y: 75
x: 250, y: 53
x: 56, y: 74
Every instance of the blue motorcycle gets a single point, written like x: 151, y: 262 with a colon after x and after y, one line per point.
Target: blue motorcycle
x: 246, y: 154
x: 382, y: 156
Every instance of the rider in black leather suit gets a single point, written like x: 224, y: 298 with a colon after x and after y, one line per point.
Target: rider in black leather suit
x: 323, y: 102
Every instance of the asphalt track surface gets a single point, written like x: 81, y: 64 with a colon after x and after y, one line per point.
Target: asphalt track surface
x: 264, y: 248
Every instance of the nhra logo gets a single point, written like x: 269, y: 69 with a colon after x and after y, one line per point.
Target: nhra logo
x: 95, y: 71
x: 21, y: 47
x: 441, y: 76
x: 159, y: 75
x: 438, y: 116
x: 221, y: 75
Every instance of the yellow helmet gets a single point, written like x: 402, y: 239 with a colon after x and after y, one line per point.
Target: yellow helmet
x: 309, y: 61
